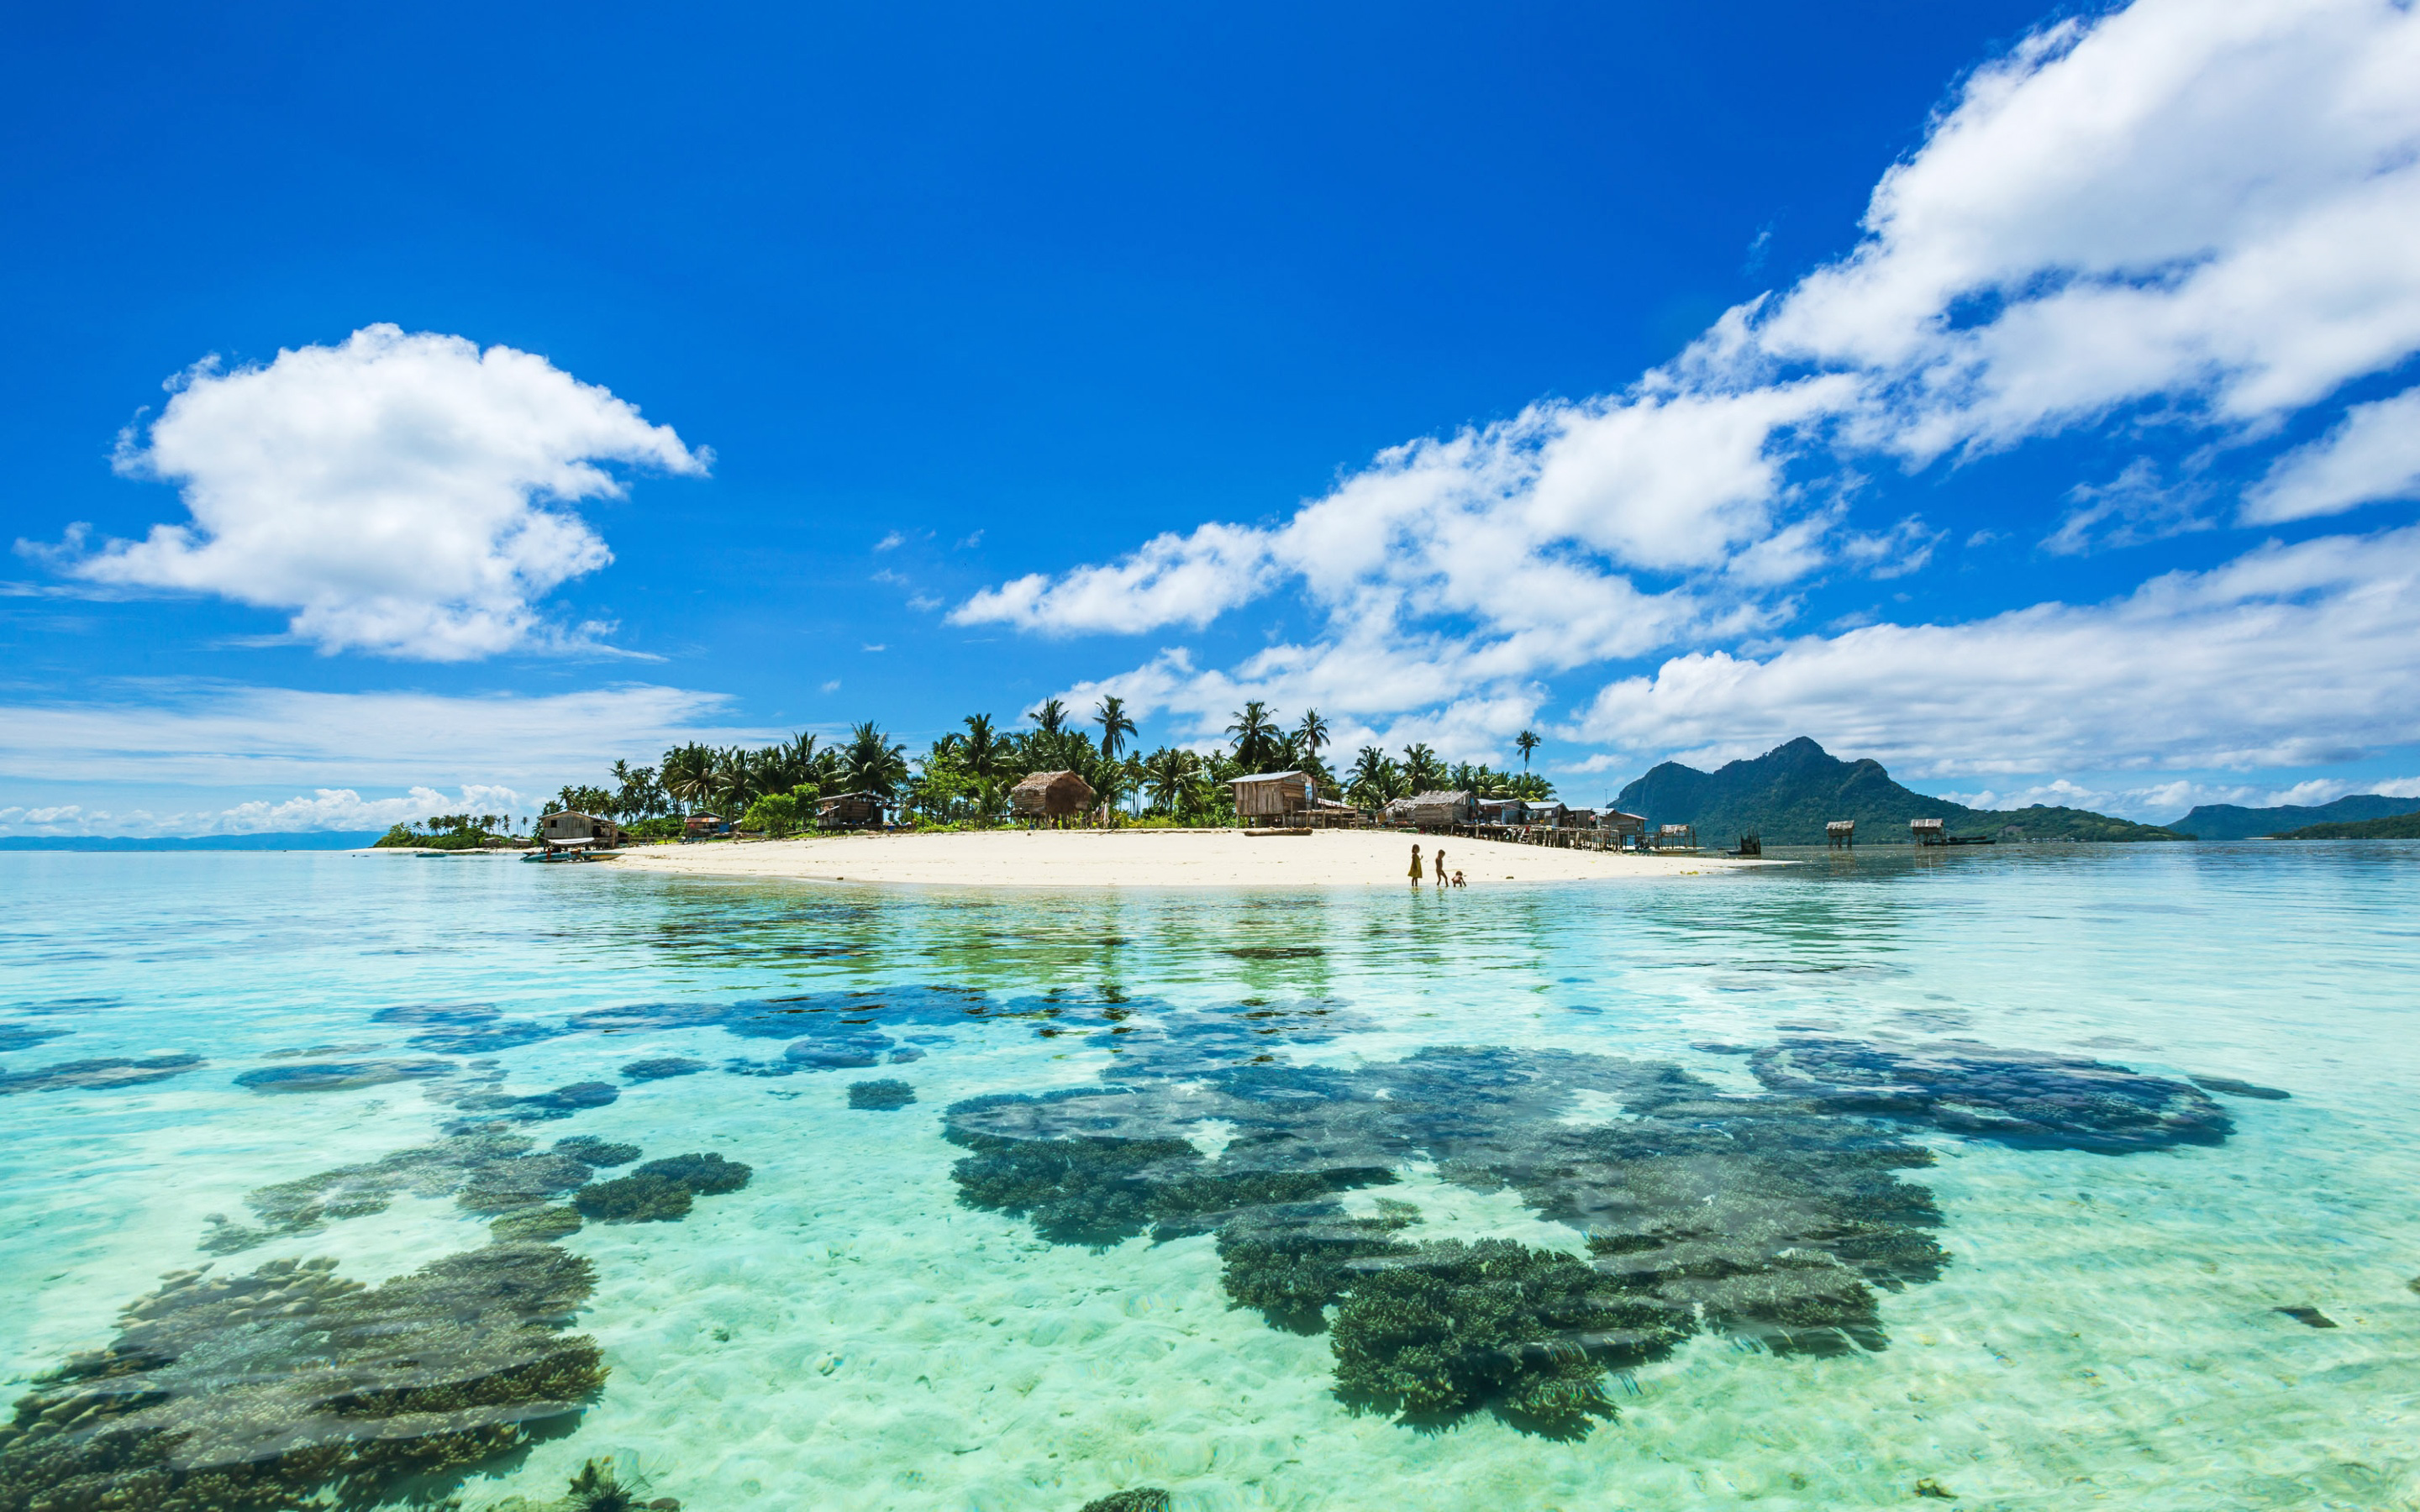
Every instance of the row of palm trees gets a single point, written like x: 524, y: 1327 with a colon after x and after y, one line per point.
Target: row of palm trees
x: 965, y: 774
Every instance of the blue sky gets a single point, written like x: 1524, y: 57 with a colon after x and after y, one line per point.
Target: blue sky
x: 421, y: 410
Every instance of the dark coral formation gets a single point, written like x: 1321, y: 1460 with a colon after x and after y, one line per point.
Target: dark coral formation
x: 1774, y: 1218
x: 1139, y: 1498
x: 660, y: 1068
x: 26, y: 1036
x: 660, y: 1191
x: 885, y: 1095
x: 2230, y: 1086
x: 495, y: 1166
x: 535, y: 1226
x: 561, y: 1103
x: 2018, y: 1097
x: 467, y: 1028
x: 588, y: 1150
x: 340, y: 1075
x: 292, y: 1388
x: 1448, y: 1327
x: 104, y: 1075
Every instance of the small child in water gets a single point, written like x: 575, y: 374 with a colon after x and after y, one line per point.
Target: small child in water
x: 1457, y: 878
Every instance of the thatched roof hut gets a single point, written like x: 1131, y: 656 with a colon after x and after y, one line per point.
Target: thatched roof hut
x: 1274, y: 795
x: 1928, y: 832
x: 1050, y: 796
x: 1435, y: 809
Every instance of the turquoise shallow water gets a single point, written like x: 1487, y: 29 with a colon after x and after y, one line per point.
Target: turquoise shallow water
x: 856, y: 1327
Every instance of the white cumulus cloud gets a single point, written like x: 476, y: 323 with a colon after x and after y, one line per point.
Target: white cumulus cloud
x: 2196, y: 217
x: 2373, y: 454
x: 407, y: 495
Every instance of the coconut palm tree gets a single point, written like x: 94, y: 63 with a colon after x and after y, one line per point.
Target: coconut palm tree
x: 871, y: 763
x: 1528, y: 741
x: 978, y: 748
x: 1052, y: 717
x: 1255, y: 732
x: 1311, y: 734
x: 1421, y: 768
x: 1373, y: 779
x: 1116, y: 728
x: 1171, y: 772
x: 687, y: 771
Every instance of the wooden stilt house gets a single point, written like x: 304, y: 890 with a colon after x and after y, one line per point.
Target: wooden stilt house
x: 1286, y: 799
x: 1051, y: 797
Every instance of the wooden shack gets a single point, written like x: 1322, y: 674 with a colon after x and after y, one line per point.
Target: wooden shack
x: 1840, y: 834
x: 1549, y: 812
x: 1438, y: 809
x: 1628, y: 830
x: 1276, y: 797
x: 1928, y: 831
x: 701, y: 826
x: 849, y: 810
x: 571, y: 829
x: 1676, y: 838
x: 1055, y: 796
x: 1499, y: 811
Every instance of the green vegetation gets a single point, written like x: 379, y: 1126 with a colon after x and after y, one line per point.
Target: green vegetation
x: 962, y: 780
x: 2226, y: 821
x: 450, y: 832
x: 1788, y: 795
x: 2393, y: 827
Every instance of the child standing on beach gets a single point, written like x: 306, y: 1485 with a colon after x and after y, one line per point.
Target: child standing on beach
x: 1416, y: 866
x: 1438, y: 861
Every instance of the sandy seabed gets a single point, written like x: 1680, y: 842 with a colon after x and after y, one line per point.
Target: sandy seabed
x: 1154, y: 858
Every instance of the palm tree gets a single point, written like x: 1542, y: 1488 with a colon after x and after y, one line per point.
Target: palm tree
x: 1373, y: 779
x: 1527, y: 740
x: 1170, y: 773
x: 1254, y: 731
x: 1116, y: 729
x: 978, y: 748
x: 1051, y: 716
x: 1312, y: 733
x: 688, y: 774
x: 1421, y: 768
x: 872, y: 764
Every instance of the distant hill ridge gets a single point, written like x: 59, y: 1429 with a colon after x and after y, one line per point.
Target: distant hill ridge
x: 1788, y: 795
x: 2226, y: 821
x: 2388, y: 826
x: 294, y: 839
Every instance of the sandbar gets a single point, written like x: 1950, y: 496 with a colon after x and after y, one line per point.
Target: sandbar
x: 1152, y: 858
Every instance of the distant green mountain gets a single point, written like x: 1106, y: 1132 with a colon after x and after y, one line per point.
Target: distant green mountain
x: 2226, y: 821
x: 1791, y: 791
x: 2391, y: 826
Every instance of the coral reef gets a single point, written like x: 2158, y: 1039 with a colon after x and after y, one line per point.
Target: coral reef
x: 660, y: 1068
x: 467, y: 1028
x: 1450, y: 1326
x: 883, y: 1096
x: 534, y: 1225
x: 588, y: 1150
x: 96, y: 1075
x: 494, y: 1165
x: 26, y: 1036
x: 660, y: 1191
x: 339, y: 1075
x: 533, y: 1108
x: 1772, y: 1217
x: 2018, y: 1097
x: 292, y: 1388
x: 1140, y: 1499
x: 2230, y: 1086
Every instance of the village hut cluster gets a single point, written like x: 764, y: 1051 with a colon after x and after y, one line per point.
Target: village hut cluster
x: 1290, y: 803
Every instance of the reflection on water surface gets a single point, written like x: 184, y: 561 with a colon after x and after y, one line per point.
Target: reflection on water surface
x: 2023, y: 1178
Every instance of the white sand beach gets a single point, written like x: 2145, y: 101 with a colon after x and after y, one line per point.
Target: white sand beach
x: 1152, y: 858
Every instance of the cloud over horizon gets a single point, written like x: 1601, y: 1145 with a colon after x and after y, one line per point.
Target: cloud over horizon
x: 405, y: 495
x: 2189, y: 221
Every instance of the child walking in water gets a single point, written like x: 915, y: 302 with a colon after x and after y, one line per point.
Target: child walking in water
x: 1438, y: 861
x: 1416, y: 866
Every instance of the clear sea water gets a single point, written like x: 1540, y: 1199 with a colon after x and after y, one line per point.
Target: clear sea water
x: 845, y: 1332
